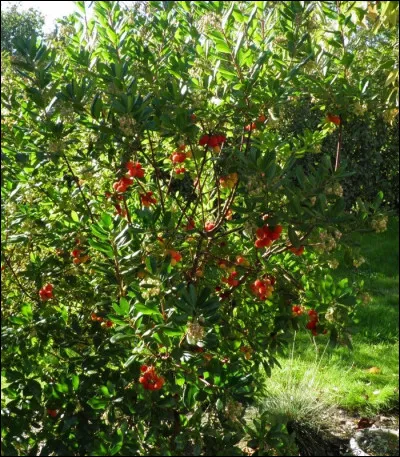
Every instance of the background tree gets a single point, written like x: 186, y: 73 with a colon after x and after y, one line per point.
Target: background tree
x: 17, y: 23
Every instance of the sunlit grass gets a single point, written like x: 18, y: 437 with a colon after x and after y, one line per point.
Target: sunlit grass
x: 342, y: 377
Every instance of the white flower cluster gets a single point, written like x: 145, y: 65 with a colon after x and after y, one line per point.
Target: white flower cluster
x: 360, y: 109
x: 56, y: 146
x: 233, y: 409
x: 255, y: 186
x: 151, y: 291
x: 338, y: 234
x: 250, y: 228
x: 358, y: 261
x: 335, y: 189
x: 327, y: 244
x: 67, y: 113
x: 390, y: 115
x: 379, y: 224
x: 126, y: 124
x: 194, y: 333
x: 209, y: 22
x: 333, y: 263
x: 330, y: 314
x: 366, y: 298
x: 198, y: 68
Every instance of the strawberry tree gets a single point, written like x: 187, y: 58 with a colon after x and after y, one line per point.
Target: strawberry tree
x: 161, y: 240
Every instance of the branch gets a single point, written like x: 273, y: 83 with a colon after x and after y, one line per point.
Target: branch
x: 339, y: 147
x: 157, y: 172
x: 23, y: 290
x: 79, y: 186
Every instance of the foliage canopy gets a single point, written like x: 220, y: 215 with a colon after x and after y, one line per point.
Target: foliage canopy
x: 161, y: 238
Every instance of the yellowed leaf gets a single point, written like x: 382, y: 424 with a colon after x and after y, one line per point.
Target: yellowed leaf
x: 374, y: 370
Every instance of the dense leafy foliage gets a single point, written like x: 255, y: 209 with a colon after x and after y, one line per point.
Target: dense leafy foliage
x: 17, y: 24
x: 370, y: 149
x: 161, y: 237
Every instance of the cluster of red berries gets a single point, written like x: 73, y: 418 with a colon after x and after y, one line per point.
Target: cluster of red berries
x: 297, y: 251
x: 212, y: 141
x: 242, y: 261
x: 52, y: 412
x: 253, y: 125
x: 190, y: 225
x: 96, y: 318
x: 123, y: 184
x: 313, y: 322
x: 250, y: 127
x: 297, y: 311
x: 147, y: 199
x: 78, y: 257
x: 180, y: 156
x: 149, y: 379
x: 175, y: 257
x: 222, y: 264
x: 334, y: 119
x: 46, y: 292
x: 265, y: 236
x: 263, y: 288
x: 231, y: 279
x: 229, y: 181
x: 117, y: 206
x: 222, y: 295
x: 135, y: 170
x: 209, y: 226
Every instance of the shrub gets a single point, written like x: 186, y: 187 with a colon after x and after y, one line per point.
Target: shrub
x: 157, y: 233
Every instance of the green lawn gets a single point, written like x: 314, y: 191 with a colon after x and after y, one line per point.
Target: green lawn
x: 341, y: 376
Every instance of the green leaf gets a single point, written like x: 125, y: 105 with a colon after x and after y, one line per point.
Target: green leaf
x: 221, y: 46
x: 123, y: 308
x: 347, y: 59
x: 151, y: 264
x: 294, y: 239
x: 188, y: 397
x: 348, y: 300
x: 146, y: 309
x: 102, y: 247
x: 96, y: 106
x: 75, y: 382
x: 106, y: 220
x: 62, y: 387
x: 239, y: 42
x: 267, y: 368
x: 300, y: 176
x: 97, y: 403
x: 337, y: 208
x: 98, y: 231
x: 129, y: 361
x: 74, y: 216
x: 104, y: 390
x: 119, y: 337
x: 172, y: 331
x: 270, y: 171
x: 26, y: 310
